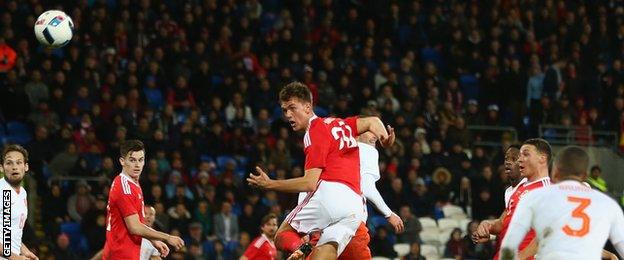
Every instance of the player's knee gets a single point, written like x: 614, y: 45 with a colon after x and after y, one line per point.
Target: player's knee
x: 288, y: 240
x: 328, y: 250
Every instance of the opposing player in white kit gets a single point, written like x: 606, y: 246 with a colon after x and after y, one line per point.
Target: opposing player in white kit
x: 369, y: 171
x: 512, y: 170
x: 334, y: 204
x: 148, y: 251
x: 15, y: 166
x: 571, y: 220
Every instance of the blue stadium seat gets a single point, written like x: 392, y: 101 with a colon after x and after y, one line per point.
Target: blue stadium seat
x: 16, y: 127
x: 223, y: 160
x: 206, y: 158
x: 378, y: 221
x: 17, y: 132
x: 78, y: 242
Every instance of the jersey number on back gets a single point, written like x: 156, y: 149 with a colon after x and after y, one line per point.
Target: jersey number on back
x: 578, y: 213
x: 344, y: 135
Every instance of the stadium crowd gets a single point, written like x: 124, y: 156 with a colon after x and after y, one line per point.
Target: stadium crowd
x: 197, y: 81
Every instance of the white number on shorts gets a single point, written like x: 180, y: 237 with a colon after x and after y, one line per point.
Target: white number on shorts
x: 344, y: 134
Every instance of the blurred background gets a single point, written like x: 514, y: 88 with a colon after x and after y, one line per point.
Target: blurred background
x: 197, y: 81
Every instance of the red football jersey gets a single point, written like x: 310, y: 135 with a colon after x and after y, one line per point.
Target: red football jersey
x: 522, y: 190
x: 124, y: 199
x: 261, y: 249
x: 330, y: 144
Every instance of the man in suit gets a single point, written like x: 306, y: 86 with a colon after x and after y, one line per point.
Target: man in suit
x: 226, y: 224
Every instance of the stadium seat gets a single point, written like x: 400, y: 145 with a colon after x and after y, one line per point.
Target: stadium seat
x: 16, y: 127
x: 444, y: 237
x: 429, y: 250
x: 378, y: 221
x: 223, y: 160
x: 447, y: 224
x: 430, y: 238
x: 442, y: 249
x: 463, y: 224
x: 402, y: 249
x: 380, y: 258
x: 452, y: 210
x: 427, y: 222
x: 77, y: 240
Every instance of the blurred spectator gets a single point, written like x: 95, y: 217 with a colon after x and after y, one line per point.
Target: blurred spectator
x: 380, y: 244
x: 94, y: 224
x: 455, y: 247
x: 414, y: 253
x: 81, y: 202
x: 61, y: 249
x: 412, y: 227
x: 226, y: 224
x: 203, y: 215
x: 62, y: 163
x: 595, y: 180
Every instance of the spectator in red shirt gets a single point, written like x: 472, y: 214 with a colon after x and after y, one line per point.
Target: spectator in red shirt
x: 262, y: 247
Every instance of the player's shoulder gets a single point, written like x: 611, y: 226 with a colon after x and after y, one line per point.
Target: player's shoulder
x: 4, y: 185
x: 259, y: 241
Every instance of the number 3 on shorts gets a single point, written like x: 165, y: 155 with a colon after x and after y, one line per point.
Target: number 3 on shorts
x: 578, y: 213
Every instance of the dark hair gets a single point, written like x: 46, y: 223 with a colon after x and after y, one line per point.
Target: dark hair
x: 131, y: 146
x: 14, y: 148
x: 295, y: 89
x: 268, y: 218
x: 542, y: 147
x: 595, y: 167
x: 572, y: 160
x: 513, y: 146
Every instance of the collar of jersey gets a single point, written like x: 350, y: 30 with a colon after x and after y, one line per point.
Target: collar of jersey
x: 535, y: 181
x: 310, y: 121
x: 124, y: 175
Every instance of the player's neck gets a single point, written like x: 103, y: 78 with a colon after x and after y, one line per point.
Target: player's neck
x: 570, y: 178
x: 540, y: 174
x: 135, y: 180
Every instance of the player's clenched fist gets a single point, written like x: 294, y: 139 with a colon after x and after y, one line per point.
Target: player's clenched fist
x: 176, y: 242
x: 483, y: 232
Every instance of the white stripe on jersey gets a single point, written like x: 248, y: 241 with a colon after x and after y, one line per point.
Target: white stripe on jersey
x: 306, y: 140
x: 260, y: 241
x: 125, y: 186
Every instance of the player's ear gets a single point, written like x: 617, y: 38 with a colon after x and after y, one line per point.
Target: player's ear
x: 121, y: 161
x: 25, y: 167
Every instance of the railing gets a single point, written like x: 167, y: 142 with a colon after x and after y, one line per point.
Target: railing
x: 578, y: 135
x: 483, y: 135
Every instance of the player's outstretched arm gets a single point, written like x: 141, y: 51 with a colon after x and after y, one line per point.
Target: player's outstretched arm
x: 300, y: 184
x: 385, y: 135
x: 98, y: 255
x: 135, y: 227
x: 372, y: 194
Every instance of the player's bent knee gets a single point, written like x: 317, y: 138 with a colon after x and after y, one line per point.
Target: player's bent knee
x: 328, y: 250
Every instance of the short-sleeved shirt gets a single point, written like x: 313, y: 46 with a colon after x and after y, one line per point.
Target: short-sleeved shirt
x: 124, y: 199
x: 330, y: 144
x: 516, y: 197
x: 19, y: 213
x: 571, y: 220
x: 262, y: 248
